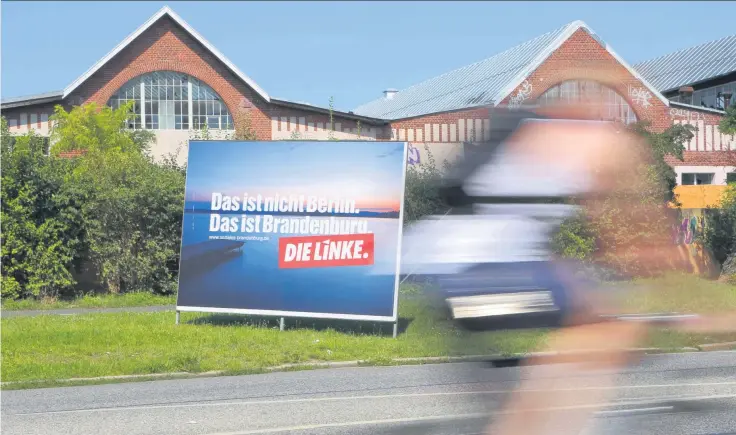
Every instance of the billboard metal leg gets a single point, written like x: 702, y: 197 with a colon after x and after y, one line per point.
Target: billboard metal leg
x: 177, y: 317
x: 282, y: 324
x: 396, y: 329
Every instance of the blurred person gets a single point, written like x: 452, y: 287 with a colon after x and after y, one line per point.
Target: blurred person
x: 598, y: 156
x: 512, y: 193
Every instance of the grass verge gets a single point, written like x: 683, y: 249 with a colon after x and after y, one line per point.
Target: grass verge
x: 91, y: 345
x: 48, y: 348
x: 140, y: 299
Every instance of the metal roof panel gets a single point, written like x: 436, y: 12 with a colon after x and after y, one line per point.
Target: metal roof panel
x: 45, y: 95
x: 471, y: 85
x: 691, y: 65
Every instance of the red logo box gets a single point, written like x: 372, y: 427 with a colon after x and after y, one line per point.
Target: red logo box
x: 326, y: 251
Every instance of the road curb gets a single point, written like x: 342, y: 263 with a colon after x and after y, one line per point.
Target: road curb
x: 353, y: 363
x: 729, y: 345
x: 151, y: 376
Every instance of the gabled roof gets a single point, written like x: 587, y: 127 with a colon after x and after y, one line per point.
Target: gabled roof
x: 165, y: 11
x: 691, y: 65
x: 483, y: 83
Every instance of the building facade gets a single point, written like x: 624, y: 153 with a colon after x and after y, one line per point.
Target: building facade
x: 179, y: 83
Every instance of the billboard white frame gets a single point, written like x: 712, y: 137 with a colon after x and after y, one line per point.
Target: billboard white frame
x: 302, y: 314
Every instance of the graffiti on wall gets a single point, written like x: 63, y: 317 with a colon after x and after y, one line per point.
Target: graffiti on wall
x: 412, y: 156
x: 640, y: 96
x: 525, y: 91
x: 693, y: 256
x: 689, y: 228
x: 686, y: 114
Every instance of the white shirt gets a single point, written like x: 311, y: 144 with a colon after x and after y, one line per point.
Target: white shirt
x: 496, y: 232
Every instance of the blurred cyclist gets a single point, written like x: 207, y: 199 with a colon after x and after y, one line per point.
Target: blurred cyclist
x: 598, y: 157
x: 494, y: 263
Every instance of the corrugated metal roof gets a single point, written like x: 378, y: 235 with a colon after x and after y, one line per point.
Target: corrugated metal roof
x: 473, y: 85
x: 691, y: 65
x: 30, y: 100
x: 325, y: 110
x: 53, y: 94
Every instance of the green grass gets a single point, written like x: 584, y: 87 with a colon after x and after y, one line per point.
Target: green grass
x: 92, y: 301
x: 48, y: 348
x: 680, y: 293
x: 58, y: 347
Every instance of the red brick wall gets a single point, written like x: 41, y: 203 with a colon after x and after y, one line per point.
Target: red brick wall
x: 708, y: 137
x: 582, y: 58
x: 708, y: 147
x: 39, y: 110
x: 167, y: 47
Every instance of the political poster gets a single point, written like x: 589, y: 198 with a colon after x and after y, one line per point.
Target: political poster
x: 293, y: 229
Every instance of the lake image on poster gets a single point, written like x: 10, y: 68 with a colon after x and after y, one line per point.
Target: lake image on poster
x: 293, y: 228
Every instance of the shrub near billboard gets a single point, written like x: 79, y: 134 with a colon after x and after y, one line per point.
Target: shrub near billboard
x: 293, y: 229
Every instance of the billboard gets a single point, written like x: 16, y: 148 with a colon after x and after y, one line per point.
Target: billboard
x: 297, y: 229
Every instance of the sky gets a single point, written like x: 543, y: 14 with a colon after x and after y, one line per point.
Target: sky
x: 351, y: 51
x: 370, y: 175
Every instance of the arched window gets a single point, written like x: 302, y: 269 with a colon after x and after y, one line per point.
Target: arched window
x: 615, y: 107
x: 167, y: 100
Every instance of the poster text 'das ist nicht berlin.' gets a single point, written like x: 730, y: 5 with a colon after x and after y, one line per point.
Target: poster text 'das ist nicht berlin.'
x: 295, y: 229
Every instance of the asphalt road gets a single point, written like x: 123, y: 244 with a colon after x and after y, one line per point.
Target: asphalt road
x: 693, y: 393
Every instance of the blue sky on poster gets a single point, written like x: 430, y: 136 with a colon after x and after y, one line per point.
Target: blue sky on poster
x: 370, y: 175
x: 309, y: 51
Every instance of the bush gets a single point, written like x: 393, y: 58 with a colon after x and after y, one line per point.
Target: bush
x: 60, y: 213
x: 719, y: 234
x: 576, y: 239
x: 421, y: 195
x: 42, y: 228
x: 639, y: 219
x: 133, y: 225
x: 125, y: 221
x: 133, y: 209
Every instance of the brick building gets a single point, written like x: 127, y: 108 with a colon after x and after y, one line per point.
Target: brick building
x: 180, y: 82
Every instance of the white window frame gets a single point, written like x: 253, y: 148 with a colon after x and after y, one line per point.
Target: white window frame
x: 189, y: 101
x: 695, y: 178
x: 572, y: 90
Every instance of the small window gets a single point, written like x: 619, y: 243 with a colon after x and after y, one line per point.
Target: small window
x: 697, y: 179
x: 704, y: 178
x: 731, y: 177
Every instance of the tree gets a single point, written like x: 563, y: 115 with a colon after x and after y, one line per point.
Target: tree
x: 244, y: 127
x: 659, y: 145
x: 719, y: 235
x: 97, y: 131
x: 132, y: 209
x: 728, y: 123
x: 640, y: 218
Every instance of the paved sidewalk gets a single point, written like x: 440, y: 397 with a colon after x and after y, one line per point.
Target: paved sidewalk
x: 74, y: 311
